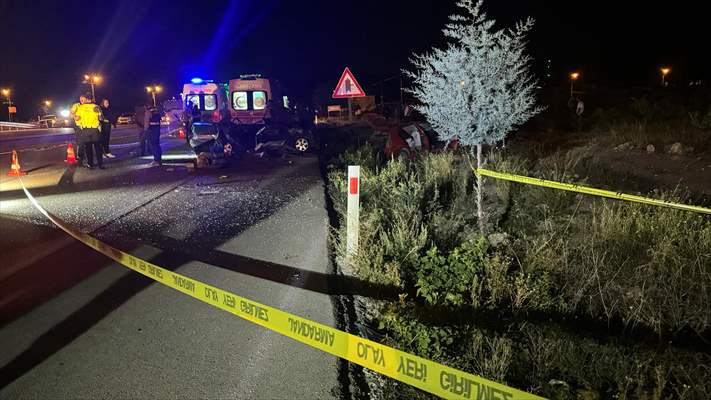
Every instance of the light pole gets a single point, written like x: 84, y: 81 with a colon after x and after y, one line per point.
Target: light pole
x: 153, y: 90
x: 6, y: 93
x: 665, y: 72
x: 92, y: 79
x: 573, y: 77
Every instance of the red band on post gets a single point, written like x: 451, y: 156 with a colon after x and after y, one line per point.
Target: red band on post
x: 353, y: 186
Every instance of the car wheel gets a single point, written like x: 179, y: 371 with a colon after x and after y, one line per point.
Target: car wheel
x: 302, y: 144
x: 403, y: 155
x: 227, y: 149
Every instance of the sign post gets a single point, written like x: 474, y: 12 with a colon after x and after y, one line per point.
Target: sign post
x: 353, y: 211
x: 348, y: 88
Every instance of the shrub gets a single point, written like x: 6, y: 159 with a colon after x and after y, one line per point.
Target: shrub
x: 453, y: 279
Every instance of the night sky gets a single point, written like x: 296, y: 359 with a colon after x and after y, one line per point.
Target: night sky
x: 47, y: 46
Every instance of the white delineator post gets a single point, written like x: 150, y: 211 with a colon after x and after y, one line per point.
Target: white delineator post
x: 353, y: 211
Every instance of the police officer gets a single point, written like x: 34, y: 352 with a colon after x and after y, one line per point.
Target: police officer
x: 88, y: 118
x: 77, y: 130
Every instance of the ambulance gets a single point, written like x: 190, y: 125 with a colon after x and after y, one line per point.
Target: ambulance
x: 250, y: 95
x: 254, y: 100
x: 202, y: 128
x: 209, y: 97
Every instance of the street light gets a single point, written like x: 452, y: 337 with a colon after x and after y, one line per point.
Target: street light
x: 6, y: 93
x: 153, y: 90
x: 573, y: 77
x: 92, y: 79
x: 665, y: 71
x: 46, y: 105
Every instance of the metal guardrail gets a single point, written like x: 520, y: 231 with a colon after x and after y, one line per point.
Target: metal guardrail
x: 9, y: 126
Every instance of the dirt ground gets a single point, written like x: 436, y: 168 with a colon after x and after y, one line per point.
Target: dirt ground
x: 668, y: 171
x: 630, y: 170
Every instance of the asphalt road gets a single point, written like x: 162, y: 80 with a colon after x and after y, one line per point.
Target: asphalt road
x: 74, y: 324
x: 29, y: 139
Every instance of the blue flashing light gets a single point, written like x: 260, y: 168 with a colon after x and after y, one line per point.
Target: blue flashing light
x: 196, y: 81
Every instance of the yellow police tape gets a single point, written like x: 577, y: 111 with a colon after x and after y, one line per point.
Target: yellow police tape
x: 416, y: 371
x: 588, y: 190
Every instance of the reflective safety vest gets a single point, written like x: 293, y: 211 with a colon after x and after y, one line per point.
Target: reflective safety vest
x: 87, y: 115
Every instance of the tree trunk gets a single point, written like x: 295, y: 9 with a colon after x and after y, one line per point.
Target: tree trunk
x: 479, y: 191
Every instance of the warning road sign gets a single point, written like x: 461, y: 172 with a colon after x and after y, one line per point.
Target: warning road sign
x: 348, y: 86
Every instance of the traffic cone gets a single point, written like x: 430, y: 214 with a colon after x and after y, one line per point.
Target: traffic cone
x: 71, y: 157
x: 181, y: 133
x: 15, y: 166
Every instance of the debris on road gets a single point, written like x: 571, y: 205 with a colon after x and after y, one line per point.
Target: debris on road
x: 676, y: 149
x: 625, y: 146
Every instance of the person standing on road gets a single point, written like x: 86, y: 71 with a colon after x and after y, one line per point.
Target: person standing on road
x: 269, y: 113
x: 88, y: 118
x: 77, y: 130
x: 143, y: 116
x: 106, y: 122
x: 186, y: 118
x: 195, y: 113
x: 154, y: 136
x: 305, y: 118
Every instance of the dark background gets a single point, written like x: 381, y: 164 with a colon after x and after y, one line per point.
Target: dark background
x: 47, y: 46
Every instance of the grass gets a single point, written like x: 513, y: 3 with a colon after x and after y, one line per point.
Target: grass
x: 582, y: 296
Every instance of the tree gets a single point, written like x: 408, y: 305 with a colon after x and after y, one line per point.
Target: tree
x: 480, y: 87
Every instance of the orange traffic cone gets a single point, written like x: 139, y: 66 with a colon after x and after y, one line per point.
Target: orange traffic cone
x: 15, y: 166
x: 71, y: 157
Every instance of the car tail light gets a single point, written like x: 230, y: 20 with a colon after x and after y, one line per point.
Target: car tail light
x: 216, y: 116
